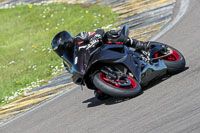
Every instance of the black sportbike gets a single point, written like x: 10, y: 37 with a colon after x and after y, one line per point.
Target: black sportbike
x: 119, y: 71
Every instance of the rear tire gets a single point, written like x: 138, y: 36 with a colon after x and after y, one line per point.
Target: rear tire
x: 176, y: 66
x: 116, y: 91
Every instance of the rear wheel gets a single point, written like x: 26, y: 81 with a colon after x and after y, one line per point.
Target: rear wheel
x: 126, y: 87
x: 175, y: 62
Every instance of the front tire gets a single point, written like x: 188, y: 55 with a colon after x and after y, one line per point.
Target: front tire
x: 105, y: 85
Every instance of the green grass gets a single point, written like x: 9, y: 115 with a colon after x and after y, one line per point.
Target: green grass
x: 25, y: 38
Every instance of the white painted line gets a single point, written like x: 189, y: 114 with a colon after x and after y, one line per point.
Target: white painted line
x: 39, y: 106
x: 182, y: 10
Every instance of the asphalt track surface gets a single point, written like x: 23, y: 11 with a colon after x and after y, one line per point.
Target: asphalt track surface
x: 171, y: 106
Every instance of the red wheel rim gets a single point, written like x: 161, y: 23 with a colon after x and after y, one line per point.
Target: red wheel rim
x: 173, y: 57
x: 107, y: 81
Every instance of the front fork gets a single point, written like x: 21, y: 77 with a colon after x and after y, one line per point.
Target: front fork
x: 116, y: 75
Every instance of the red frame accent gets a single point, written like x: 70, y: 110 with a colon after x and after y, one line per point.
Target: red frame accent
x: 107, y: 81
x: 173, y: 57
x: 91, y: 33
x: 80, y: 42
x: 118, y: 43
x: 99, y: 91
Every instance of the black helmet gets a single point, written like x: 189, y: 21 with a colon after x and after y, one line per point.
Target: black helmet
x: 61, y: 42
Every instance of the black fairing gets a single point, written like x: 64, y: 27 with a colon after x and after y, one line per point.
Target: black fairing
x: 82, y: 62
x: 125, y: 30
x: 77, y: 63
x: 116, y: 54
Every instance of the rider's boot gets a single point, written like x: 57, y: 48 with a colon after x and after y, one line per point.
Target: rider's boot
x: 139, y: 45
x: 142, y: 46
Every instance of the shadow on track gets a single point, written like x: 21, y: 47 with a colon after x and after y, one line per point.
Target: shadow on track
x: 93, y: 102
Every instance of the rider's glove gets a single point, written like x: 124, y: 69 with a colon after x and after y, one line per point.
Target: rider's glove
x: 94, y: 41
x: 97, y: 37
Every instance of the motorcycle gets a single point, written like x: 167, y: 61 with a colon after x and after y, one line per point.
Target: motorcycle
x: 119, y: 71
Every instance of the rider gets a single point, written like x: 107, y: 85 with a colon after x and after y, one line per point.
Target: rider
x: 91, y: 40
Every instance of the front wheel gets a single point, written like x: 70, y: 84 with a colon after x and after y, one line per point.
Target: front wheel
x: 127, y: 87
x: 175, y: 62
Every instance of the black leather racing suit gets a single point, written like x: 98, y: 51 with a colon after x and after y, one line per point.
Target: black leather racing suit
x: 90, y: 40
